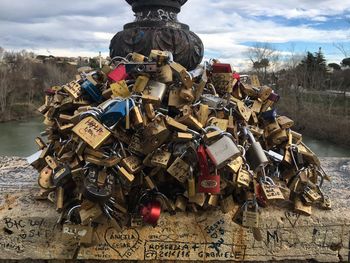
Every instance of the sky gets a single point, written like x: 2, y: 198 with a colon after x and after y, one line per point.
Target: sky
x: 227, y: 27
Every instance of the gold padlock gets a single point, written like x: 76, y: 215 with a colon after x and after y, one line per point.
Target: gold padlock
x: 181, y: 203
x: 285, y: 122
x: 120, y: 89
x: 136, y: 117
x: 190, y: 121
x: 73, y: 89
x: 132, y: 164
x: 175, y: 124
x: 300, y: 208
x: 92, y: 132
x: 235, y: 165
x: 161, y: 158
x: 165, y: 74
x: 203, y: 114
x: 136, y: 57
x: 140, y: 84
x: 243, y: 178
x: 174, y: 98
x: 272, y: 192
x: 220, y: 123
x: 264, y: 93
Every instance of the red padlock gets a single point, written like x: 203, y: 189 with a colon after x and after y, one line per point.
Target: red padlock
x: 206, y: 183
x: 222, y: 68
x: 118, y: 74
x: 150, y: 212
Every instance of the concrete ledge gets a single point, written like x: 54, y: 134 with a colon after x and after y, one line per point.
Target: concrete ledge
x: 28, y: 230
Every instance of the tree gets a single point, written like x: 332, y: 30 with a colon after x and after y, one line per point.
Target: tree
x: 334, y: 66
x: 262, y: 57
x: 346, y: 62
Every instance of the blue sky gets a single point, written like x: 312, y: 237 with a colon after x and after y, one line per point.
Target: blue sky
x: 228, y: 28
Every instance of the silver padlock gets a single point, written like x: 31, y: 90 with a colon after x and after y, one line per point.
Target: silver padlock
x: 223, y: 150
x: 251, y: 214
x: 213, y: 101
x: 256, y: 156
x: 155, y: 91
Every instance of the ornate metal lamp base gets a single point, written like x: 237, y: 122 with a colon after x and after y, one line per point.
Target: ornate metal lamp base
x: 156, y: 27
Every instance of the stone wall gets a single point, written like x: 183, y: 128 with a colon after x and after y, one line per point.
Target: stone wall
x: 28, y: 228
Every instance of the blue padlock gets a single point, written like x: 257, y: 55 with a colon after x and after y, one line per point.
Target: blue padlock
x: 269, y: 115
x: 93, y: 91
x: 116, y: 111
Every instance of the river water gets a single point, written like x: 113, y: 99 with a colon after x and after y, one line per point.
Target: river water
x: 17, y: 139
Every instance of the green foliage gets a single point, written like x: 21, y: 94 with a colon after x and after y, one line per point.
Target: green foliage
x: 334, y: 66
x: 346, y: 62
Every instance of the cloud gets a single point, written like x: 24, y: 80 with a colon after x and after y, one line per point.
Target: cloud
x: 86, y: 27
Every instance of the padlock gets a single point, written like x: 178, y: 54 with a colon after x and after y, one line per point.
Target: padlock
x: 264, y: 93
x: 198, y: 198
x: 51, y: 162
x: 140, y: 84
x: 269, y: 115
x: 161, y: 158
x: 179, y: 169
x: 165, y: 74
x: 73, y: 89
x: 223, y: 82
x: 161, y: 57
x: 213, y: 200
x: 155, y: 134
x: 256, y: 107
x: 132, y: 164
x: 279, y: 137
x: 272, y: 192
x: 154, y: 92
x: 120, y: 89
x: 203, y: 114
x: 150, y: 212
x: 77, y: 233
x: 45, y: 178
x: 41, y: 144
x: 206, y: 183
x: 254, y: 80
x: 181, y: 203
x: 272, y: 128
x: 136, y: 117
x: 183, y: 136
x: 235, y: 165
x: 98, y: 185
x: 191, y: 184
x: 301, y: 208
x: 61, y: 175
x: 227, y: 204
x: 255, y: 155
x: 89, y: 211
x: 244, y: 110
x: 140, y: 68
x: 222, y: 150
x: 312, y: 194
x: 124, y: 174
x: 93, y: 91
x: 220, y: 123
x: 191, y: 122
x: 251, y: 214
x: 244, y: 177
x: 187, y: 94
x: 92, y: 132
x: 59, y: 196
x: 285, y: 122
x: 136, y: 57
x: 173, y: 124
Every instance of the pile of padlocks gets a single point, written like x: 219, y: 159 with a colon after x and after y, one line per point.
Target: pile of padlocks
x: 143, y: 135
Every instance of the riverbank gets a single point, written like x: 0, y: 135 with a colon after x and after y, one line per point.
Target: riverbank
x: 17, y: 139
